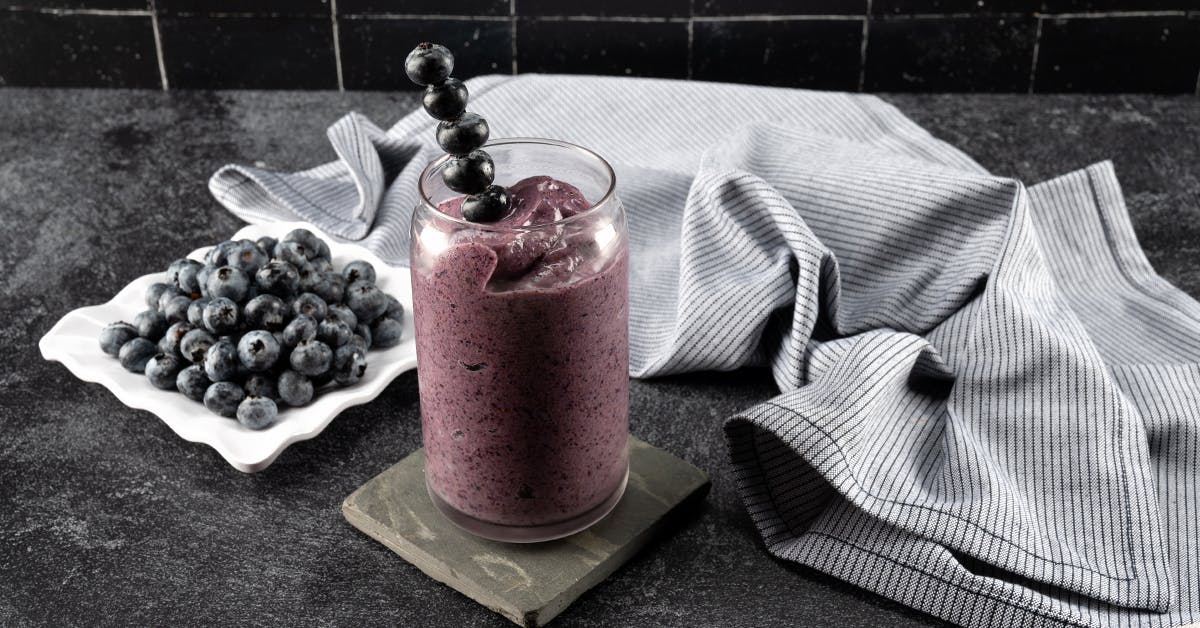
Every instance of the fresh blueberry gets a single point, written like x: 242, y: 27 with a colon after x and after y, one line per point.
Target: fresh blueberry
x: 177, y: 309
x: 489, y: 205
x: 195, y: 344
x: 333, y: 332
x: 469, y: 174
x: 278, y: 278
x: 161, y: 370
x: 331, y: 288
x: 267, y: 244
x: 182, y: 274
x: 429, y: 63
x: 202, y: 278
x: 312, y: 358
x: 295, y: 389
x: 359, y: 341
x: 323, y: 251
x: 247, y: 257
x: 309, y: 243
x: 221, y: 316
x: 310, y: 304
x: 267, y: 311
x: 322, y: 265
x: 169, y: 344
x: 192, y: 382
x: 195, y: 313
x: 445, y: 100
x: 115, y: 335
x: 221, y: 361
x: 154, y: 292
x: 462, y: 134
x: 135, y: 354
x: 223, y: 398
x: 359, y: 269
x: 303, y: 236
x: 309, y: 277
x: 395, y: 309
x: 366, y: 300
x: 386, y: 332
x: 217, y: 254
x: 150, y: 324
x: 296, y: 254
x: 341, y: 311
x: 228, y: 282
x: 257, y: 413
x: 349, y: 365
x: 302, y: 328
x: 364, y: 331
x: 261, y: 385
x: 170, y: 293
x: 258, y: 350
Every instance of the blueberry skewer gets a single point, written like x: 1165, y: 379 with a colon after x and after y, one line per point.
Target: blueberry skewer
x: 460, y: 133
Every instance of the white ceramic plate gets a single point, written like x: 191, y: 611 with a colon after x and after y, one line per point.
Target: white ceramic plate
x: 74, y: 342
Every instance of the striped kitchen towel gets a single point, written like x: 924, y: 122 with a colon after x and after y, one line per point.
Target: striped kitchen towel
x: 990, y: 407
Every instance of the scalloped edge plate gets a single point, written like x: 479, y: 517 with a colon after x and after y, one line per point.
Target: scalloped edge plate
x: 73, y: 341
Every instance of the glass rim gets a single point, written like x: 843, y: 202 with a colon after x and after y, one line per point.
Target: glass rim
x: 605, y: 199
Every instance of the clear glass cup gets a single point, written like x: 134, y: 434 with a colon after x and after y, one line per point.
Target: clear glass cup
x: 523, y: 352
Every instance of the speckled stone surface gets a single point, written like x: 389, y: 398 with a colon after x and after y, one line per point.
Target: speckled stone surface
x: 107, y: 517
x: 528, y: 583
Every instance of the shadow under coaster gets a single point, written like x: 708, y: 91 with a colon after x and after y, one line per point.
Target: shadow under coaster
x: 527, y: 583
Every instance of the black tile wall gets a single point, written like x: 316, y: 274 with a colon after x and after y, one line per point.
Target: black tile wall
x: 249, y: 52
x: 894, y: 7
x: 600, y: 47
x: 964, y: 54
x: 1073, y: 6
x: 780, y: 7
x: 243, y: 7
x: 425, y: 7
x: 143, y: 5
x: 625, y: 8
x: 822, y: 54
x: 872, y: 45
x: 45, y: 50
x: 373, y: 50
x: 1115, y: 54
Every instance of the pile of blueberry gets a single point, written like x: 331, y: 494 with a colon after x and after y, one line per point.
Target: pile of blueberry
x: 461, y: 133
x: 258, y: 323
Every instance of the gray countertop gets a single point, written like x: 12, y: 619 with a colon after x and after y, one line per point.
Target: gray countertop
x: 107, y: 517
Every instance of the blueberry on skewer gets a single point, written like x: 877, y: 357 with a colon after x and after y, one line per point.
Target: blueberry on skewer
x: 429, y: 63
x: 461, y: 133
x: 446, y: 100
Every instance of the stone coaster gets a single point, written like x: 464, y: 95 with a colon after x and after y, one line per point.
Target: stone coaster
x: 527, y: 583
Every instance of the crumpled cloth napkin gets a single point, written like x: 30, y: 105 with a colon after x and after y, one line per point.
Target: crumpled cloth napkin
x: 990, y: 408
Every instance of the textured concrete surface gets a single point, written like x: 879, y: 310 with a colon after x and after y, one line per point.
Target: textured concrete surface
x: 106, y: 517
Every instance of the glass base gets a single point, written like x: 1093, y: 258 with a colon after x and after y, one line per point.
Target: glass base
x: 529, y: 534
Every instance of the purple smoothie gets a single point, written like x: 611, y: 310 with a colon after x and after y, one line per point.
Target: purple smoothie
x: 522, y: 342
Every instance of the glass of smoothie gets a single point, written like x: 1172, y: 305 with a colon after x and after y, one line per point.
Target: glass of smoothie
x: 523, y: 346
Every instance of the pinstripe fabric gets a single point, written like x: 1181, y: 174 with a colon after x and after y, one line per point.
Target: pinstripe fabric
x: 989, y: 412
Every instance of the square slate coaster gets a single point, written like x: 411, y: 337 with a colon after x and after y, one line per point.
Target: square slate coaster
x: 527, y: 583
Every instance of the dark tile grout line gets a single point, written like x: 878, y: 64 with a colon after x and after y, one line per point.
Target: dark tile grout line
x: 153, y: 13
x: 158, y: 47
x: 512, y: 32
x: 337, y: 44
x: 599, y: 18
x: 1037, y: 44
x: 862, y: 53
x: 691, y: 32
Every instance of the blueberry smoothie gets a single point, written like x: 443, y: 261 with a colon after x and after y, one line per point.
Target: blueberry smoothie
x: 522, y: 345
